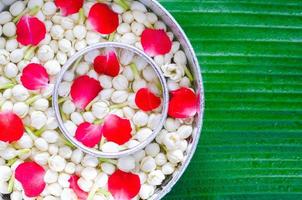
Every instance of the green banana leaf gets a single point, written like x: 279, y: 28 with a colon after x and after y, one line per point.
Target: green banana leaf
x: 250, y: 52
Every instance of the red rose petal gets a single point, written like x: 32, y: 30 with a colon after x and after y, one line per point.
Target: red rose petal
x: 30, y: 30
x: 146, y: 100
x: 103, y: 19
x: 83, y: 90
x: 11, y: 127
x: 34, y: 76
x: 89, y: 134
x: 31, y: 176
x: 183, y: 103
x: 107, y: 63
x: 155, y: 42
x: 69, y: 7
x: 73, y: 180
x: 116, y: 129
x: 123, y: 185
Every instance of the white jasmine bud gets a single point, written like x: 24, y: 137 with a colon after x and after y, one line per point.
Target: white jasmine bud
x: 16, y: 8
x: 79, y: 32
x: 65, y: 152
x: 76, y: 118
x: 119, y: 96
x: 168, y: 168
x: 64, y: 45
x: 41, y: 104
x: 143, y: 134
x: 81, y: 44
x: 185, y: 82
x: 47, y: 91
x: 110, y: 147
x: 120, y: 82
x: 6, y: 173
x: 9, y: 29
x: 153, y: 121
x: 138, y: 156
x: 67, y: 24
x: 136, y: 5
x: 70, y: 168
x: 155, y: 177
x: 52, y: 67
x: 34, y: 3
x: 149, y: 74
x: 4, y: 57
x: 63, y: 180
x: 69, y: 35
x: 41, y: 158
x: 71, y: 127
x: 173, y: 71
x: 92, y: 37
x: 7, y: 106
x: 41, y: 144
x: 5, y: 17
x: 175, y: 156
x: 11, y: 44
x: 126, y: 164
x: 77, y: 156
x: 53, y: 149
x: 8, y: 153
x: 171, y: 140
x: 100, y: 109
x: 49, y: 8
x: 57, y: 32
x: 68, y: 107
x: 172, y: 85
x: 171, y: 124
x: 151, y: 17
x: 56, y: 163
x: 16, y: 55
x: 69, y: 75
x: 54, y: 189
x: 128, y: 112
x: 91, y: 55
x: 64, y: 89
x: 25, y: 142
x: 106, y: 94
x: 127, y: 72
x: 90, y: 161
x: 2, y: 40
x: 20, y: 108
x: 84, y: 184
x: 160, y: 25
x: 138, y: 84
x: 4, y: 187
x: 54, y: 45
x: 38, y: 119
x: 160, y: 159
x: 51, y: 123
x: 50, y: 176
x: 89, y: 173
x: 146, y: 191
x: 152, y: 149
x: 180, y: 58
x: 123, y: 28
x: 108, y: 168
x: 137, y: 28
x: 184, y: 131
x: 148, y: 164
x: 16, y: 195
x: 128, y: 38
x: 88, y: 117
x: 68, y: 194
x: 106, y: 81
x: 82, y: 68
x: 140, y: 118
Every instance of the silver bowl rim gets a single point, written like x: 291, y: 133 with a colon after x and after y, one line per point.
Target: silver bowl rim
x: 137, y: 52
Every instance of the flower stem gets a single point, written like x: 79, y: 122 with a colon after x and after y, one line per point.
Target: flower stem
x: 91, y: 102
x: 7, y: 86
x: 32, y: 11
x: 62, y: 100
x: 134, y: 71
x: 81, y: 16
x: 40, y: 131
x: 103, y: 192
x: 32, y: 99
x: 114, y: 162
x: 22, y: 152
x: 30, y: 133
x: 11, y: 183
x: 99, y: 121
x: 123, y: 4
x: 92, y: 192
x: 189, y: 74
x: 159, y: 86
x: 117, y: 106
x: 64, y: 116
x: 66, y: 142
x: 111, y: 37
x: 76, y: 63
x: 29, y: 52
x: 11, y: 161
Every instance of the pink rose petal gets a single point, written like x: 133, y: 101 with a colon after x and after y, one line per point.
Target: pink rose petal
x: 146, y: 100
x: 103, y: 19
x: 11, y: 127
x: 155, y: 42
x: 183, y: 103
x: 69, y: 7
x: 73, y: 180
x: 123, y: 185
x: 31, y: 176
x: 116, y: 129
x: 34, y: 76
x: 89, y: 134
x: 107, y: 64
x: 30, y: 30
x: 83, y: 90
